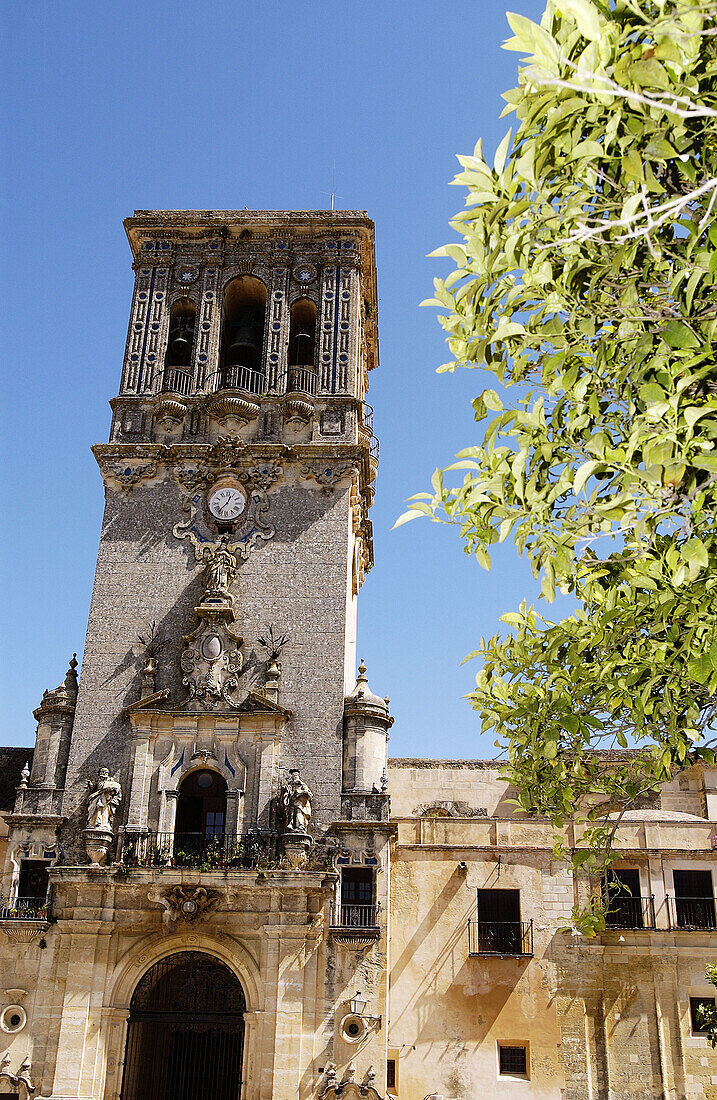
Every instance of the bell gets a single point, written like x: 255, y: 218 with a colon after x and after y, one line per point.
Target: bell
x: 180, y: 343
x: 245, y: 346
x: 302, y: 348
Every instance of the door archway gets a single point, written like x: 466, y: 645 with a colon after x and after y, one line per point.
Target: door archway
x: 185, y: 1035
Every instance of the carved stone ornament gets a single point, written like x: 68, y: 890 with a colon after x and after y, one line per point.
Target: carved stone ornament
x: 327, y: 476
x: 19, y: 1082
x: 251, y: 529
x: 191, y: 478
x: 350, y: 1090
x: 211, y: 660
x: 128, y: 475
x: 185, y: 903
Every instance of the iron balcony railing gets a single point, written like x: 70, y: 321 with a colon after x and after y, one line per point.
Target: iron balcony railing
x: 367, y: 417
x: 24, y: 909
x: 200, y: 850
x: 176, y: 380
x: 352, y: 915
x: 373, y: 448
x: 691, y: 914
x: 300, y: 380
x: 241, y: 378
x: 630, y: 912
x: 500, y: 938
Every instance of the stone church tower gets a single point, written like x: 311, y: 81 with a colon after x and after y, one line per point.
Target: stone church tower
x: 208, y: 805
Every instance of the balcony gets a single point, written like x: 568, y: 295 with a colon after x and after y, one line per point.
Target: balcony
x: 367, y: 417
x: 23, y: 919
x: 630, y: 913
x: 241, y: 378
x: 200, y: 851
x: 176, y: 380
x: 24, y: 909
x: 691, y: 914
x: 355, y: 924
x: 300, y: 380
x: 500, y: 938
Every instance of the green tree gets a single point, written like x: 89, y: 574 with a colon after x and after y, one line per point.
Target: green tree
x: 585, y: 281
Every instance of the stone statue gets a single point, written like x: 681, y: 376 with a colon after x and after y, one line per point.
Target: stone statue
x: 296, y: 800
x: 104, y: 798
x: 220, y: 567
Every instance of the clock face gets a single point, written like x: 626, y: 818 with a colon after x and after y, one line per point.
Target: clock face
x: 227, y: 503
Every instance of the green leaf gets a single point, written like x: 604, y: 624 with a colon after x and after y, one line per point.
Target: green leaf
x: 586, y: 16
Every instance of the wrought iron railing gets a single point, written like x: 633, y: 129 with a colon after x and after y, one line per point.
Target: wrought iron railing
x: 373, y: 448
x: 200, y: 850
x: 500, y: 937
x: 630, y: 912
x: 367, y: 417
x: 24, y: 909
x: 240, y: 378
x: 691, y: 914
x: 300, y: 380
x: 350, y: 915
x: 176, y: 380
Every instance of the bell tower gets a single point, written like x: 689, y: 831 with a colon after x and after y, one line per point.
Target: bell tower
x: 207, y: 808
x: 241, y: 422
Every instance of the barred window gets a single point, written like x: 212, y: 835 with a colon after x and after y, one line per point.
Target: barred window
x: 513, y: 1060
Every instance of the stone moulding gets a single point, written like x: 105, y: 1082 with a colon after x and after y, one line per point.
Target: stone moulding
x: 24, y: 931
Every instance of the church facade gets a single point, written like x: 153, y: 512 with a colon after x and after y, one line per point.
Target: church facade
x: 214, y: 881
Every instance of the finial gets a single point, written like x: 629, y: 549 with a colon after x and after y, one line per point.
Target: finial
x: 362, y: 669
x: 71, y: 675
x: 386, y: 701
x: 384, y: 782
x: 24, y: 776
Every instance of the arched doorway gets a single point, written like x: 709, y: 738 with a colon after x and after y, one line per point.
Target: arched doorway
x: 185, y: 1034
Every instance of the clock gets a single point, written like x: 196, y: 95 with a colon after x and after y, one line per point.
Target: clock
x: 227, y: 502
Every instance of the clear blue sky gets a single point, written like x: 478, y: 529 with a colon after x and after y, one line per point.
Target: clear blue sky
x: 115, y: 106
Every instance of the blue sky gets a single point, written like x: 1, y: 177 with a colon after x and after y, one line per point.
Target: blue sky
x: 115, y: 106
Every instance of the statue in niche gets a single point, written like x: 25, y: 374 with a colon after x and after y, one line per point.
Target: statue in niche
x: 220, y: 566
x: 296, y: 802
x: 103, y: 800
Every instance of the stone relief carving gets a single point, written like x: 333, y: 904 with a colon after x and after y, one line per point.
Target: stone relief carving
x: 129, y: 476
x: 251, y: 530
x: 327, y: 476
x: 21, y: 1080
x: 211, y: 661
x: 449, y: 809
x: 191, y: 478
x: 186, y: 903
x: 104, y: 797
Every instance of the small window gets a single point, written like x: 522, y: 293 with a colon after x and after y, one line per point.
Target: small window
x: 695, y: 1002
x: 512, y: 1061
x: 391, y: 1073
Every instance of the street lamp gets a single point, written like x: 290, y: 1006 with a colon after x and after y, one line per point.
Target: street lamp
x: 357, y: 1007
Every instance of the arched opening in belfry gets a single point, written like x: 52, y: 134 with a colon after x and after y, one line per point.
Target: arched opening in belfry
x: 243, y: 335
x: 200, y: 824
x: 180, y: 344
x: 185, y: 1034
